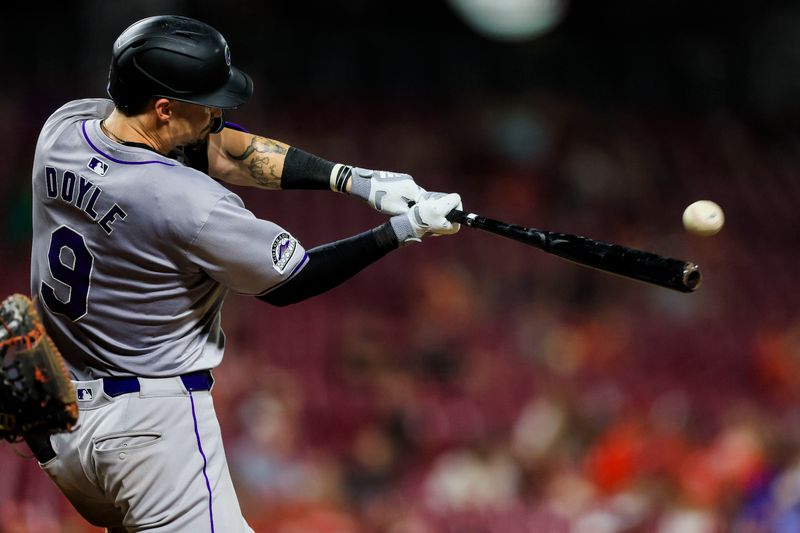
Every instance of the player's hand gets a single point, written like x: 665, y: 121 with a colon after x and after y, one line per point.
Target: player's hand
x: 390, y: 193
x: 435, y: 196
x: 427, y: 218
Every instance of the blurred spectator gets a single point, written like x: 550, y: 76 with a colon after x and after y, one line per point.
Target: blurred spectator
x: 269, y: 464
x: 482, y: 476
x: 777, y: 362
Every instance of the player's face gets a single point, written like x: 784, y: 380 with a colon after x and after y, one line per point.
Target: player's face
x: 191, y: 122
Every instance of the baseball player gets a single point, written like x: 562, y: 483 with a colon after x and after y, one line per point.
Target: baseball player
x: 134, y: 249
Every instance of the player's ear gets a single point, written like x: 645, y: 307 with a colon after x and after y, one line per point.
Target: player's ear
x: 164, y: 108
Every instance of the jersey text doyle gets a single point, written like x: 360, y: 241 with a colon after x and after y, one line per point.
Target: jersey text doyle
x: 75, y: 189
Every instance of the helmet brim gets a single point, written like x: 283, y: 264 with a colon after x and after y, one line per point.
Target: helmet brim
x: 236, y: 92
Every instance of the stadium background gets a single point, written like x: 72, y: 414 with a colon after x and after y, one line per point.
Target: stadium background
x: 471, y: 384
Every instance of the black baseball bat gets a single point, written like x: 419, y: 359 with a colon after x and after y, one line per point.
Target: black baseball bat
x: 644, y: 266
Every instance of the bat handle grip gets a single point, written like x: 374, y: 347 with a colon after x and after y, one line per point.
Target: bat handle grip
x: 461, y: 217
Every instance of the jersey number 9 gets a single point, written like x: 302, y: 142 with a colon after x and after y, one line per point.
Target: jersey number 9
x: 71, y: 264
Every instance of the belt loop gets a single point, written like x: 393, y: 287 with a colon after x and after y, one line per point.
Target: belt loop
x: 198, y: 381
x: 118, y: 386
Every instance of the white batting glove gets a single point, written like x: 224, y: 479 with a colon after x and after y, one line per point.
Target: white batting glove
x: 436, y: 195
x: 427, y: 218
x: 390, y: 193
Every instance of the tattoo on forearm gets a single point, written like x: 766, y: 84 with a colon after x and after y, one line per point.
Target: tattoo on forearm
x: 261, y: 161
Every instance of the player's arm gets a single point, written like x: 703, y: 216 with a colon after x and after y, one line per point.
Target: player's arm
x: 241, y: 158
x: 245, y: 159
x: 332, y: 264
x: 253, y: 256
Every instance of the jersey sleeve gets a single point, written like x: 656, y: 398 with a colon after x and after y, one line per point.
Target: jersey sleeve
x: 245, y: 253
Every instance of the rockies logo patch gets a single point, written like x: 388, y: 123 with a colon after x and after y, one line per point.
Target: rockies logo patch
x: 282, y: 251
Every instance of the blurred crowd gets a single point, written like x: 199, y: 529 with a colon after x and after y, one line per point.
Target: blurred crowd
x: 471, y: 384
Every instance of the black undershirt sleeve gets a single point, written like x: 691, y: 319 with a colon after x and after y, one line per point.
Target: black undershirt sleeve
x: 331, y: 264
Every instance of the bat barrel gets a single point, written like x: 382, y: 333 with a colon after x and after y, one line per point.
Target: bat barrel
x: 636, y: 264
x: 691, y: 276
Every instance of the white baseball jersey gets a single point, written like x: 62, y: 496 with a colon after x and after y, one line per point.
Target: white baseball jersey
x: 133, y: 252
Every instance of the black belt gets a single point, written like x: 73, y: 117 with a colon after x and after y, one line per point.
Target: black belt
x: 117, y: 386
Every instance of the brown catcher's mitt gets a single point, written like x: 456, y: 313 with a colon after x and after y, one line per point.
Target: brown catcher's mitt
x: 36, y: 394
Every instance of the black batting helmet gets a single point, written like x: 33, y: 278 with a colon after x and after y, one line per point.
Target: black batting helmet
x: 175, y: 57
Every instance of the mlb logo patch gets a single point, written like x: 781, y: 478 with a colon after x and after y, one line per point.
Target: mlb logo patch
x: 98, y: 167
x: 84, y: 395
x: 282, y: 250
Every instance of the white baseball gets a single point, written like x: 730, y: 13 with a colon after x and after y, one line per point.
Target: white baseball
x: 704, y: 218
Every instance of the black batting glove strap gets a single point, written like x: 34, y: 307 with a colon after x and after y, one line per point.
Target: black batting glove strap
x: 302, y: 170
x: 331, y: 264
x: 341, y: 175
